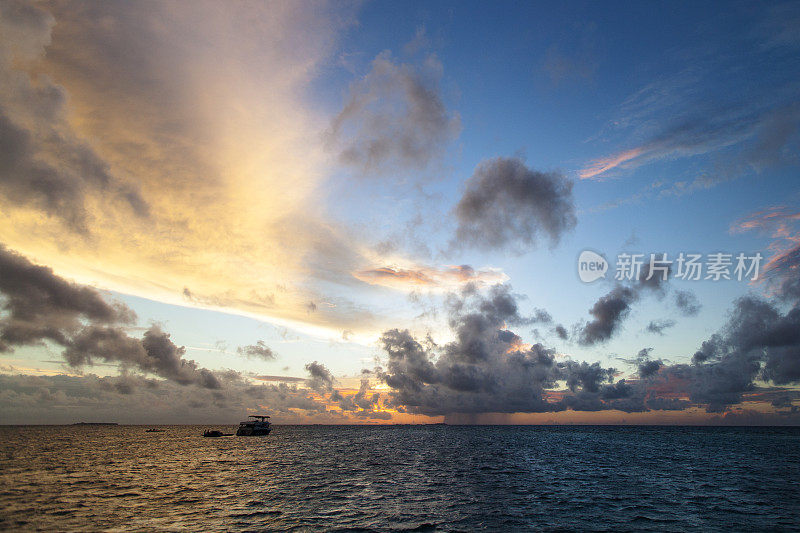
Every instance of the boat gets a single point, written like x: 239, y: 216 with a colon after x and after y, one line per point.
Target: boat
x: 216, y: 433
x: 153, y: 430
x: 254, y: 428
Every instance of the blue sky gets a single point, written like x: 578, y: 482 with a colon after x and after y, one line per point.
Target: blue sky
x: 289, y: 155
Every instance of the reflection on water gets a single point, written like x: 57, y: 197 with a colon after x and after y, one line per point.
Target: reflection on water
x: 400, y: 478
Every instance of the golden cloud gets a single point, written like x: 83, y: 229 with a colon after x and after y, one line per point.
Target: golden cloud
x: 208, y: 157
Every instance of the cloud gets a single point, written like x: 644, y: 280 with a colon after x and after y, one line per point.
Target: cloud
x: 646, y: 367
x: 611, y: 309
x: 320, y: 378
x: 783, y: 268
x: 600, y: 166
x: 687, y: 303
x: 40, y: 307
x: 780, y: 223
x: 506, y: 204
x: 757, y: 343
x: 658, y: 326
x: 609, y: 312
x: 258, y: 350
x: 287, y: 379
x: 486, y: 368
x: 710, y: 111
x: 44, y: 163
x: 394, y: 117
x: 119, y: 129
x: 155, y: 354
x: 362, y: 403
x: 764, y: 132
x: 777, y: 221
x: 135, y: 400
x: 442, y: 278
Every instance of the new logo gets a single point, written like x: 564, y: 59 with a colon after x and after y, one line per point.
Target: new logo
x: 591, y: 266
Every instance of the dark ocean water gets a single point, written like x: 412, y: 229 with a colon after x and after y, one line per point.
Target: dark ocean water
x: 421, y: 478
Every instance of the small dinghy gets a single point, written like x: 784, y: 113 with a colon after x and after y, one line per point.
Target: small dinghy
x: 216, y: 433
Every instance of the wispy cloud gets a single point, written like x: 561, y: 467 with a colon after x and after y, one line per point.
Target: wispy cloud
x: 446, y: 278
x: 605, y: 164
x: 781, y: 224
x: 709, y: 106
x: 395, y: 116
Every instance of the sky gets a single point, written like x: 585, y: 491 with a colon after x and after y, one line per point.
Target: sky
x: 376, y: 212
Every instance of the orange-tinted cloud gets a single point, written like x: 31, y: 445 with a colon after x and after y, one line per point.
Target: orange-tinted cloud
x: 600, y: 166
x: 780, y: 223
x: 441, y: 278
x: 226, y: 181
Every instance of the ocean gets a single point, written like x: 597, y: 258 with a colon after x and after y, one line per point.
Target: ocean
x: 401, y: 478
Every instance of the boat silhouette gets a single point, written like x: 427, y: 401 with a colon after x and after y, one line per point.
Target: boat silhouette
x: 254, y: 428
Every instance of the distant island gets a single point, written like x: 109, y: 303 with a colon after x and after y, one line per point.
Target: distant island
x: 95, y: 424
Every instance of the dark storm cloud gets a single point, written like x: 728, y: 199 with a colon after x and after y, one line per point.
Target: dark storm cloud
x: 588, y: 376
x: 320, y: 378
x: 394, y: 116
x: 155, y: 353
x: 39, y: 306
x: 659, y: 326
x: 687, y: 303
x: 166, y: 359
x: 611, y: 309
x: 609, y: 312
x: 757, y: 343
x: 486, y: 368
x: 506, y: 204
x: 646, y: 367
x: 42, y: 163
x: 258, y: 350
x: 649, y: 368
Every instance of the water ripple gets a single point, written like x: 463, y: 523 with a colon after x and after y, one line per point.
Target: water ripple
x: 401, y: 478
